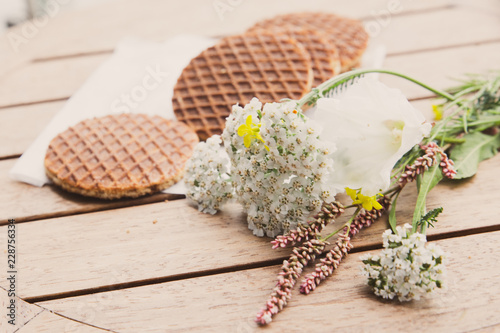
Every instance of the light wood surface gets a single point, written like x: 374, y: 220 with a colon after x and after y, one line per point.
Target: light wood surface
x: 37, y: 319
x: 48, y: 322
x: 158, y: 20
x: 147, y: 265
x: 25, y: 123
x: 228, y: 302
x: 25, y: 311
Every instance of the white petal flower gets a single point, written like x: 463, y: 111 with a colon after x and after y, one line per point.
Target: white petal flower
x: 405, y: 271
x: 206, y: 176
x: 373, y: 126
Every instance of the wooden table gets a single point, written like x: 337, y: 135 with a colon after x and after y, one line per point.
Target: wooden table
x: 155, y: 264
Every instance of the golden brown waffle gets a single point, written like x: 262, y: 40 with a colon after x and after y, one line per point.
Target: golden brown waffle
x: 347, y: 34
x: 126, y: 155
x: 267, y: 66
x: 324, y: 55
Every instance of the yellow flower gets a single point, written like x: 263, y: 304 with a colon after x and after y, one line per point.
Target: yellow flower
x: 367, y: 202
x: 352, y: 193
x: 438, y: 112
x: 250, y: 131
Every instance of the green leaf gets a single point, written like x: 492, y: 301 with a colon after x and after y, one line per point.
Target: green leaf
x: 431, y: 217
x: 430, y: 178
x: 477, y: 147
x: 392, y: 214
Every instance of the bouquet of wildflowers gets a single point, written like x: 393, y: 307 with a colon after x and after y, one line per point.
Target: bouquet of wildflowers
x: 285, y: 167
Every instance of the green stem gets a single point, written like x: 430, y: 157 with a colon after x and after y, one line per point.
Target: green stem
x: 449, y: 139
x: 423, y: 227
x: 351, y: 206
x: 347, y: 224
x: 396, y: 188
x: 345, y: 77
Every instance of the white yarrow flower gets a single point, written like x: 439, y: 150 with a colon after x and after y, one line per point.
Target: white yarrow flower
x: 373, y: 126
x: 279, y: 166
x: 406, y: 269
x: 207, y: 176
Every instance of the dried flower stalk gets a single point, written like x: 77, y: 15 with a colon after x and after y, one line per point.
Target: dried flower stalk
x: 423, y: 163
x: 290, y: 272
x: 328, y: 264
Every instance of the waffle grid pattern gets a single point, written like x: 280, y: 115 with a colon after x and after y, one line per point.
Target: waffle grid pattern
x: 324, y: 55
x: 269, y: 67
x: 347, y: 34
x: 116, y: 154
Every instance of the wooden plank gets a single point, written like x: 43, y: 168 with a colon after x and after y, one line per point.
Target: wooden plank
x: 50, y: 322
x: 22, y: 125
x: 438, y: 29
x: 47, y: 81
x: 441, y: 68
x: 70, y: 33
x: 123, y: 246
x: 33, y: 318
x: 29, y: 84
x: 23, y: 313
x: 228, y: 302
x: 26, y: 202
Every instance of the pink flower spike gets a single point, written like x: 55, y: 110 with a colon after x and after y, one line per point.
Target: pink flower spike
x: 327, y: 265
x: 290, y: 272
x: 424, y: 162
x: 366, y: 218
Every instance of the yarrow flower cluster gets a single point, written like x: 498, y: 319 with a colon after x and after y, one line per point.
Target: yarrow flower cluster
x: 207, y: 176
x: 279, y: 165
x: 406, y: 268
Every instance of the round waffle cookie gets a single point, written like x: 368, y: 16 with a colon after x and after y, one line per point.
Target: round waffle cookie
x: 263, y: 65
x: 324, y: 54
x: 126, y: 155
x: 347, y: 34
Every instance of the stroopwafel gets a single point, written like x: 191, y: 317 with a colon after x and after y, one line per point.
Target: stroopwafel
x: 347, y: 34
x: 126, y: 155
x: 324, y: 54
x: 263, y: 65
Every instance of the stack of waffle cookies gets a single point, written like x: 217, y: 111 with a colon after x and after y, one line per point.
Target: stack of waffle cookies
x: 282, y: 57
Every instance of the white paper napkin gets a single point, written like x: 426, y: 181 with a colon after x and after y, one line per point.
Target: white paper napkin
x: 139, y: 77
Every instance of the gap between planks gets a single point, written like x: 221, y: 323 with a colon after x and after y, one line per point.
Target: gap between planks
x: 236, y: 268
x: 107, y: 205
x: 36, y: 318
x: 469, y: 303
